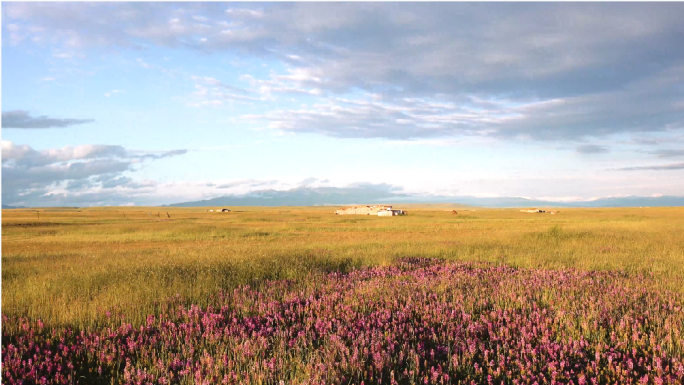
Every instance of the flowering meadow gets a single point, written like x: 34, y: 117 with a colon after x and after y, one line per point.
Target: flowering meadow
x: 420, y: 321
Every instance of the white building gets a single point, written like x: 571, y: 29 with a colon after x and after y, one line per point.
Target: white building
x: 390, y: 212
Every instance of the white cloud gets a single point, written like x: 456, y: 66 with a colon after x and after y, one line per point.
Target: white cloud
x: 112, y: 92
x: 396, y: 119
x: 213, y: 92
x: 250, y: 13
x: 32, y: 177
x: 585, y: 63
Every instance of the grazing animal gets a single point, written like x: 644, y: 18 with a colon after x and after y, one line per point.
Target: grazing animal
x: 168, y: 216
x: 454, y: 212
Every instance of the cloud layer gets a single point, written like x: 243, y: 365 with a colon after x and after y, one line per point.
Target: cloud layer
x: 592, y: 149
x: 661, y: 167
x: 23, y: 119
x: 88, y: 173
x: 533, y: 71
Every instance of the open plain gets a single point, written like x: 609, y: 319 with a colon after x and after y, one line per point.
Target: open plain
x: 81, y: 276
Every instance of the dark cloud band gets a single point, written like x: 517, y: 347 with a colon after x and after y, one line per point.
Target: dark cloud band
x: 23, y: 119
x: 664, y: 167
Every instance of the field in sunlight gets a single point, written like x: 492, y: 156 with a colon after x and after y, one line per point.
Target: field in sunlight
x: 300, y: 295
x: 72, y: 265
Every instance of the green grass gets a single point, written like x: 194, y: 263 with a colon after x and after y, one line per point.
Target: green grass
x: 72, y: 265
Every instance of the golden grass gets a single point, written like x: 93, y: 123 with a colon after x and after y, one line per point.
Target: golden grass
x: 72, y: 265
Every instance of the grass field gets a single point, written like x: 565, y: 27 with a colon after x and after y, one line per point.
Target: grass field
x: 105, y: 271
x: 72, y: 265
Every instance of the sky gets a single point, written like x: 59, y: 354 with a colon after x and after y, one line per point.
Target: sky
x: 158, y: 103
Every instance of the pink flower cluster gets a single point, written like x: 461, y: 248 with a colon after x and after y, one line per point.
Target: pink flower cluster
x: 420, y: 322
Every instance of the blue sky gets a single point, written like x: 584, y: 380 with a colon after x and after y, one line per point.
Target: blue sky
x: 156, y: 103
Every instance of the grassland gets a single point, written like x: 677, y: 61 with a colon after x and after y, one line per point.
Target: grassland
x: 123, y: 296
x: 71, y: 266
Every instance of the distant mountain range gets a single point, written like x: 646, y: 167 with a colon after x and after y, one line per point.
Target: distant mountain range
x: 369, y: 194
x: 303, y: 196
x: 630, y: 201
x: 12, y: 207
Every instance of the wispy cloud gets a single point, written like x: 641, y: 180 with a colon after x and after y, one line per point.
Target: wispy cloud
x: 23, y: 119
x: 663, y: 167
x: 592, y: 149
x: 668, y: 153
x: 246, y: 183
x: 112, y: 92
x: 406, y: 118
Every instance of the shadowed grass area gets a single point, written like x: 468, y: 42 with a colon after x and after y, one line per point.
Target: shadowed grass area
x: 72, y: 265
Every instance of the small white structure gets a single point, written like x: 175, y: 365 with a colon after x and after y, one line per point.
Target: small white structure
x: 390, y: 212
x: 379, y: 210
x: 363, y: 210
x: 533, y: 211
